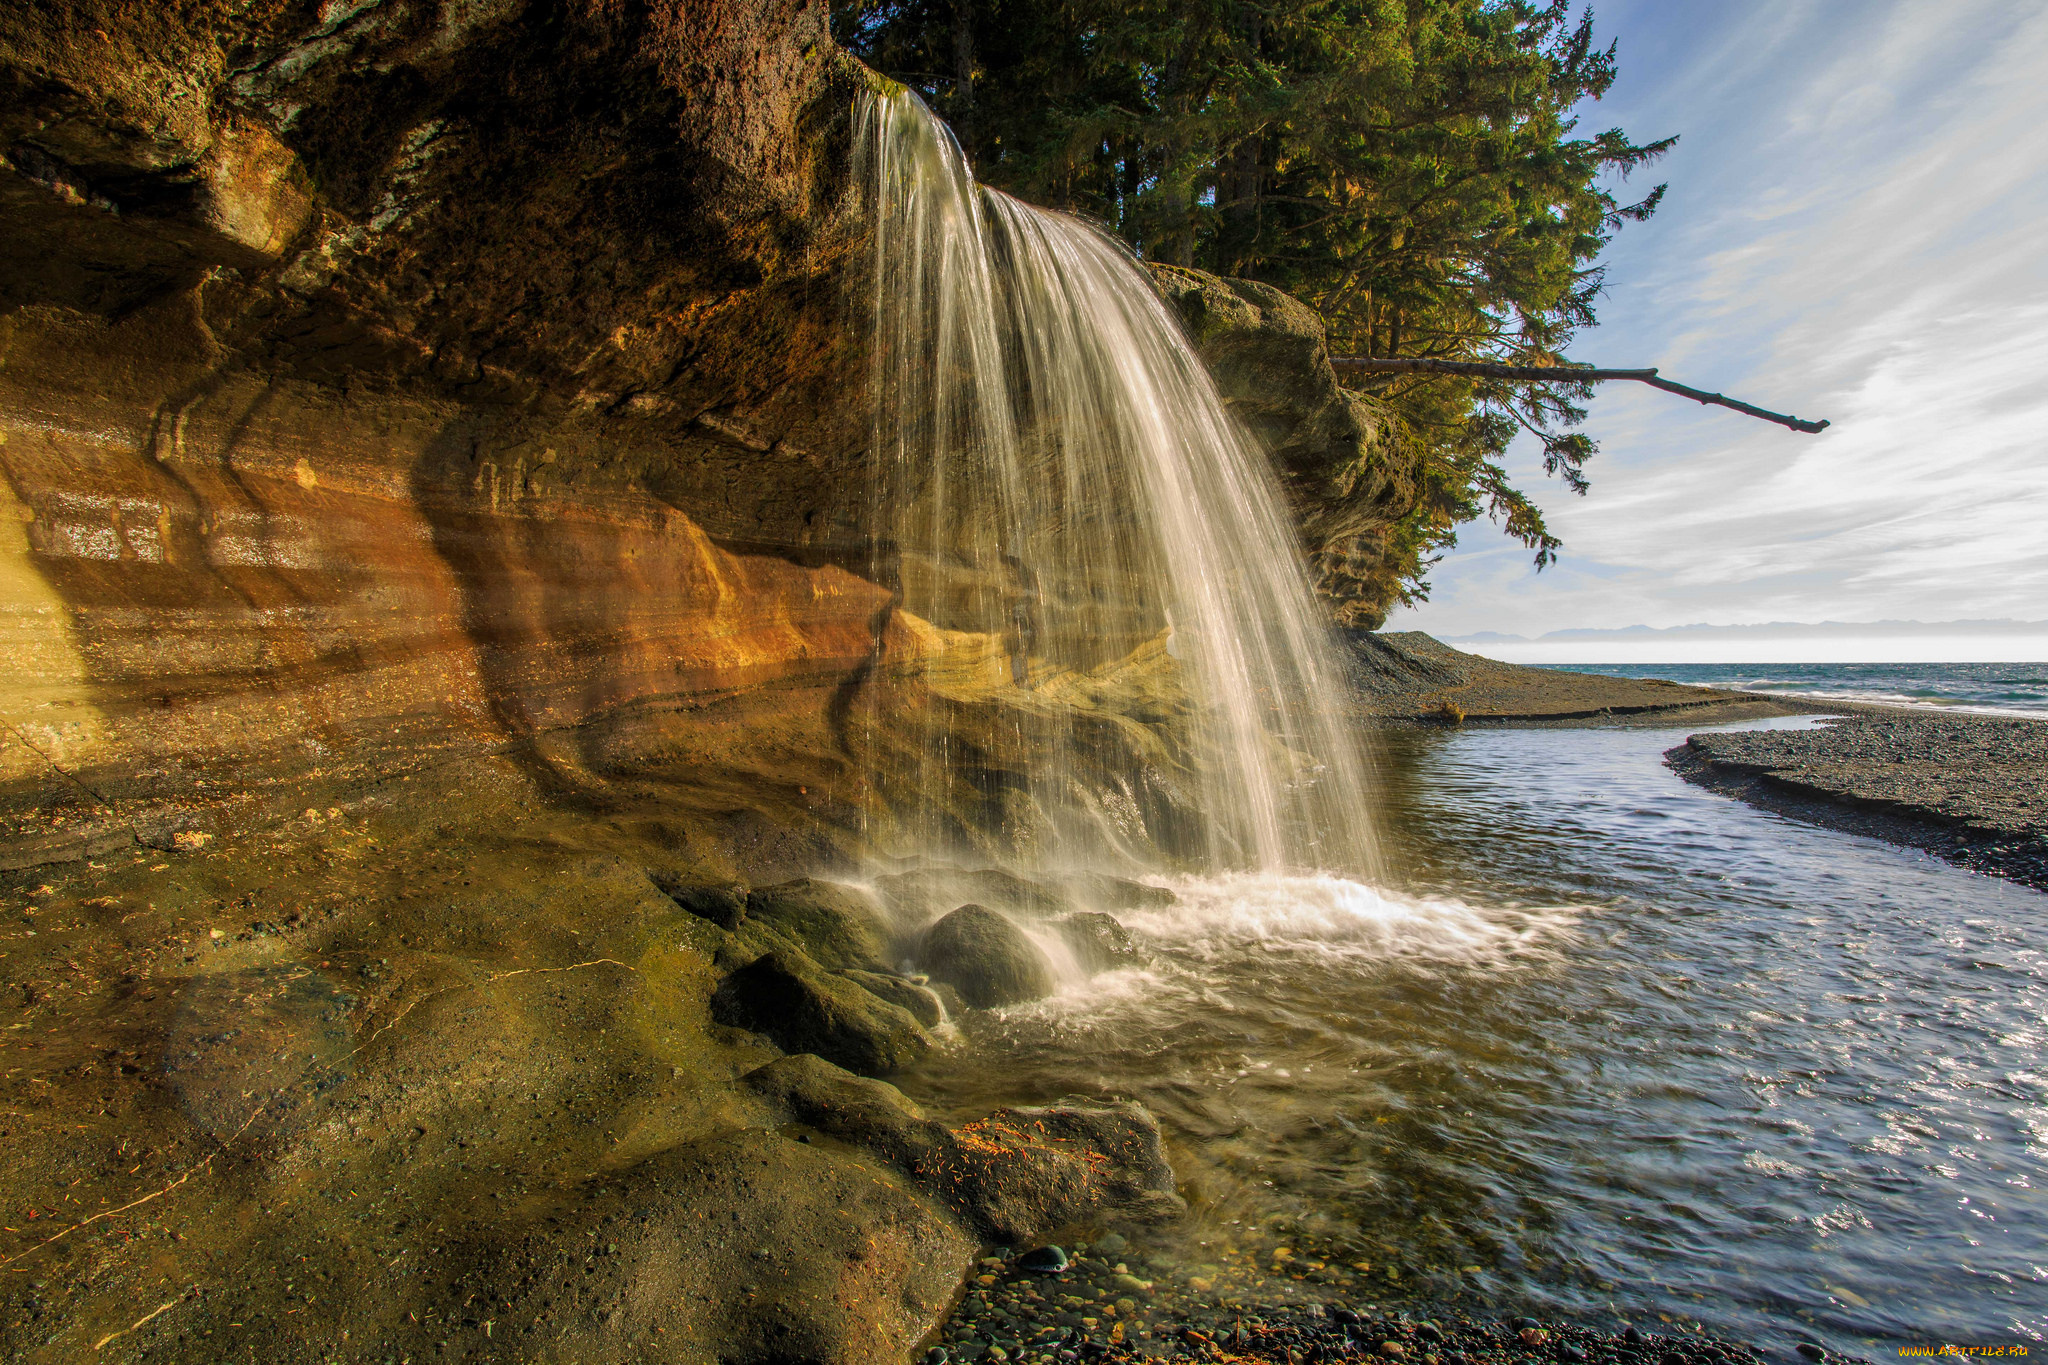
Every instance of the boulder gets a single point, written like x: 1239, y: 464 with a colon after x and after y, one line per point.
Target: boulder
x: 986, y: 958
x: 1100, y: 941
x: 839, y: 926
x: 1012, y: 1177
x: 866, y: 1113
x: 805, y: 1009
x: 920, y: 1000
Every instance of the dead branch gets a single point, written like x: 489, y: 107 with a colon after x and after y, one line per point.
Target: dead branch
x: 1562, y: 374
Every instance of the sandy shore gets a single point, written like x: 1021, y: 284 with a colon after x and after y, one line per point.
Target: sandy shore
x: 1971, y: 789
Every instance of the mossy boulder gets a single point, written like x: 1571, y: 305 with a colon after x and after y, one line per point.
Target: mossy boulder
x: 839, y: 926
x: 802, y: 1008
x: 746, y: 1248
x: 1012, y: 1177
x: 986, y: 958
x: 724, y: 906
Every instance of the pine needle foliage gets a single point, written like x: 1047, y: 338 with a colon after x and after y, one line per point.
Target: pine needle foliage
x: 1413, y: 169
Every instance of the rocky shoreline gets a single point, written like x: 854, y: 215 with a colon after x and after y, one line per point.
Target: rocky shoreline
x: 1968, y: 788
x: 1109, y: 1301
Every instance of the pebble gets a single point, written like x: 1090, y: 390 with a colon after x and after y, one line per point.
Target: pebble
x: 1111, y: 1245
x: 1811, y: 1351
x: 1045, y: 1260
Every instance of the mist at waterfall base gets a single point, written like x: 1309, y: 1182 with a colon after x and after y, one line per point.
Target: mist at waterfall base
x: 1582, y: 1040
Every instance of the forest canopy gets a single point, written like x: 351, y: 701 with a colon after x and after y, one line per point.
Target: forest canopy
x: 1412, y: 169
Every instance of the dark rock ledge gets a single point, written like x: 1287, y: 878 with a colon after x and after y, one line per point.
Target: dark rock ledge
x: 1970, y: 789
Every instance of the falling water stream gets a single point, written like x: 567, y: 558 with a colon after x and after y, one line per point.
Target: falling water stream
x: 1061, y: 486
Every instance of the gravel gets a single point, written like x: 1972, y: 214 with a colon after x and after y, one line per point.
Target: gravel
x: 1972, y: 789
x: 1132, y: 1308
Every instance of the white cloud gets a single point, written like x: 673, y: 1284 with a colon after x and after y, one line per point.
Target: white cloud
x: 1853, y: 232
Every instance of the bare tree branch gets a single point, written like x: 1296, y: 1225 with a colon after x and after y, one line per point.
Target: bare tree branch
x: 1562, y: 374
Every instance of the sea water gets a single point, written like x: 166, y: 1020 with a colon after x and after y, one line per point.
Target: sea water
x: 1991, y: 689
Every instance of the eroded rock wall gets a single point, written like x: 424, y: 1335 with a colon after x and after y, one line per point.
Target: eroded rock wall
x: 386, y: 380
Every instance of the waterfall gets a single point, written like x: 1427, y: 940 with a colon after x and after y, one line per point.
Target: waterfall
x: 1066, y: 509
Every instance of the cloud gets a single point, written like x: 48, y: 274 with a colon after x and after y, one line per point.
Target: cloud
x: 1852, y: 232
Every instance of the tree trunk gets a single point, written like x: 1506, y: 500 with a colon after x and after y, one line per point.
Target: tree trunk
x: 963, y: 75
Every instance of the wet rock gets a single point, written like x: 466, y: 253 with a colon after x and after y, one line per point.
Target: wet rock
x: 1347, y: 483
x: 1811, y: 1351
x: 1011, y: 1177
x: 1110, y: 1244
x: 839, y: 926
x: 922, y: 1002
x: 1098, y: 940
x: 1045, y: 1260
x: 857, y: 1110
x: 985, y: 957
x: 804, y: 1009
x: 724, y: 906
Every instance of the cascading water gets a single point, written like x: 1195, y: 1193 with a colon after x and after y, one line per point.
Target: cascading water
x: 1064, y: 505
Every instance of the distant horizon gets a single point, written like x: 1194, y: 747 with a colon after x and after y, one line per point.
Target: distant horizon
x: 1774, y: 642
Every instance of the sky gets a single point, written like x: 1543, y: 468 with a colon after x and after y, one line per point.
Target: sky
x: 1856, y: 229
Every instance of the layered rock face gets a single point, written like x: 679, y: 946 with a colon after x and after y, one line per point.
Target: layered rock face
x: 387, y: 380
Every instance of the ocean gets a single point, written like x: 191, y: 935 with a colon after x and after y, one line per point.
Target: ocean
x: 2016, y: 689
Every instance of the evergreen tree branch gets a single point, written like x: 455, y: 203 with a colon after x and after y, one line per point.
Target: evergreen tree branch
x: 1564, y: 374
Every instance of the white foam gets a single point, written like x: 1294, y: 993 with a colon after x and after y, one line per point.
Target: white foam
x: 1326, y: 915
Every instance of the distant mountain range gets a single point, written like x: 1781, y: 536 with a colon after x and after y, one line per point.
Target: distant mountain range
x: 1771, y: 630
